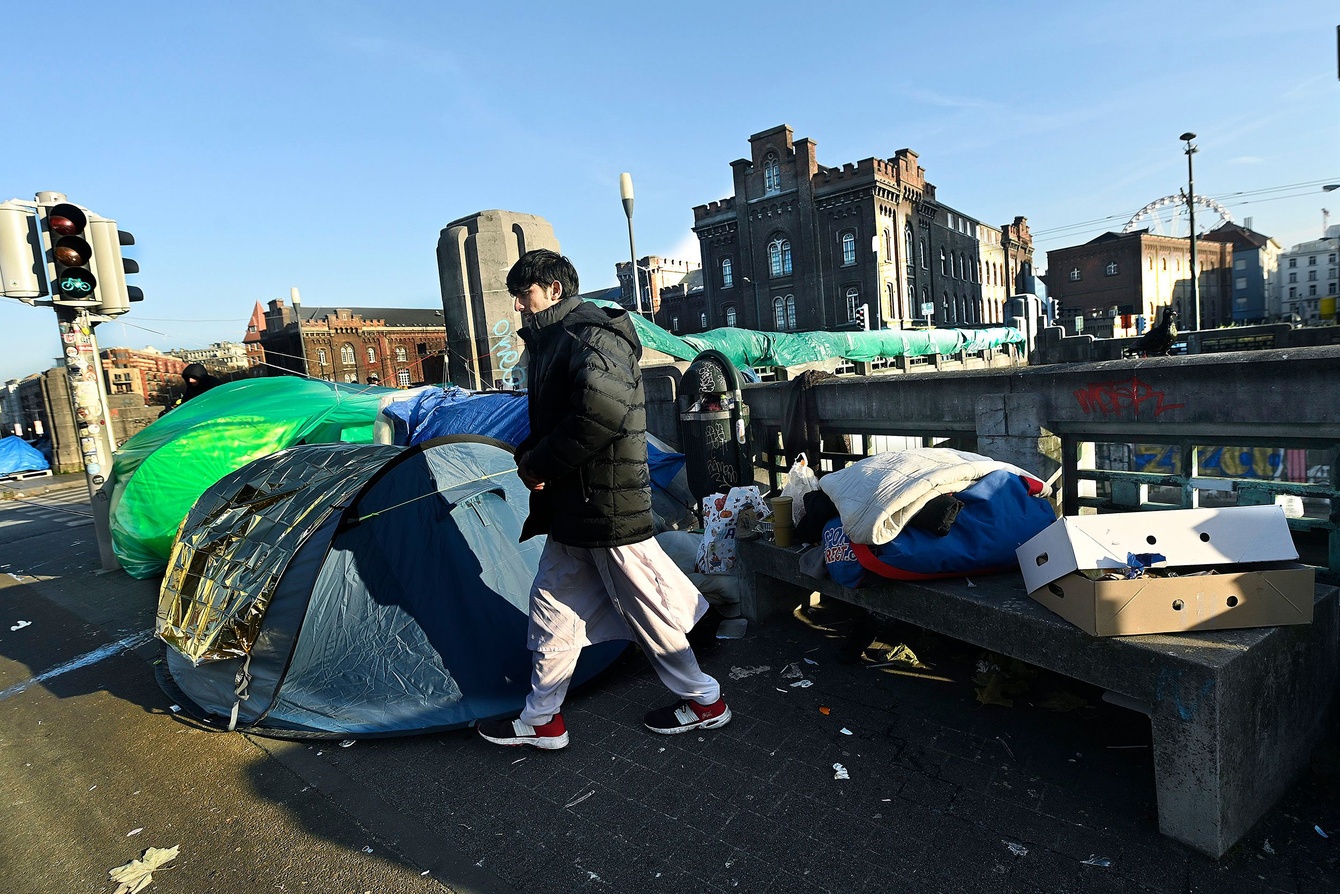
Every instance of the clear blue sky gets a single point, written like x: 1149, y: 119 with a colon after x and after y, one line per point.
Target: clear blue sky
x: 251, y: 147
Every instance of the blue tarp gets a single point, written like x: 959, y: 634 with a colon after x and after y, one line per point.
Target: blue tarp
x: 436, y: 412
x: 16, y: 455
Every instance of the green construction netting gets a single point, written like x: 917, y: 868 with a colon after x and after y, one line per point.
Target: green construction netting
x: 159, y: 473
x: 747, y: 348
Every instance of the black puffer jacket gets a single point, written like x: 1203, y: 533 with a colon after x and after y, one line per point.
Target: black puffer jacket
x: 588, y: 427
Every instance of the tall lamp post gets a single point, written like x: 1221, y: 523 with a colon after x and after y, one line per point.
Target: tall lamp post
x: 1191, y: 213
x: 297, y: 313
x: 626, y: 193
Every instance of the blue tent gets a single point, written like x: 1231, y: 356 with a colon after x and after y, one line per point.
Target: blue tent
x: 438, y: 412
x: 17, y: 456
x: 358, y: 590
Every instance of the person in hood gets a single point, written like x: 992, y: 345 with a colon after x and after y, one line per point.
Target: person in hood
x: 602, y: 575
x: 197, y: 379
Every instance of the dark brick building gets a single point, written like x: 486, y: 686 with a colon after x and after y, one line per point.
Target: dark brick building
x: 800, y: 246
x: 401, y: 346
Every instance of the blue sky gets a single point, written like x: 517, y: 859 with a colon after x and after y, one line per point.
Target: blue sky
x: 251, y: 147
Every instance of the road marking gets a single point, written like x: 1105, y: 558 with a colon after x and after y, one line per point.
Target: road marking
x: 85, y: 660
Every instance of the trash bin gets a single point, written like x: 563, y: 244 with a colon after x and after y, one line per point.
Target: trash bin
x: 714, y: 426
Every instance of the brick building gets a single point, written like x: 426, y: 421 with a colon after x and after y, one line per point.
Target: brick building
x: 800, y: 246
x: 401, y: 346
x: 153, y: 375
x: 1138, y: 274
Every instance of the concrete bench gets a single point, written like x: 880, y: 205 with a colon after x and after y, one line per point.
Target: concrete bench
x: 1234, y: 713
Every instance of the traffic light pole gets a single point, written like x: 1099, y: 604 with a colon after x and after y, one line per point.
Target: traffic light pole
x: 92, y: 423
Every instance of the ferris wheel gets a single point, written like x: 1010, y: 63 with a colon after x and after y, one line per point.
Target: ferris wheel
x: 1168, y: 216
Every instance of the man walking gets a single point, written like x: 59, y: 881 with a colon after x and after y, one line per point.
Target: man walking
x: 602, y: 575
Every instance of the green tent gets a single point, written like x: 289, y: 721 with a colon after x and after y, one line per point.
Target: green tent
x: 159, y: 473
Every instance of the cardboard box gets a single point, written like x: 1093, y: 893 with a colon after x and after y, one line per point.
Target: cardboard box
x: 1249, y: 548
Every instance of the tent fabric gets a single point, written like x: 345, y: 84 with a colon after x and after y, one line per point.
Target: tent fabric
x: 749, y: 348
x: 1000, y: 512
x: 364, y: 590
x: 158, y: 474
x: 437, y: 412
x: 17, y: 455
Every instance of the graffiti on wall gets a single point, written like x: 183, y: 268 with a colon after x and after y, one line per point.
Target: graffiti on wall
x: 1227, y: 462
x: 505, y: 350
x: 1113, y: 398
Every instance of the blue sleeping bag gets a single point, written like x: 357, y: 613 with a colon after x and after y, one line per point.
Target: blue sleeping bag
x: 999, y: 513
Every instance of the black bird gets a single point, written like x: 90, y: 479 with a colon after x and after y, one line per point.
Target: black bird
x: 1157, y: 342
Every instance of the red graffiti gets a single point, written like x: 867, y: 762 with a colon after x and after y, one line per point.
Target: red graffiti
x: 1110, y: 398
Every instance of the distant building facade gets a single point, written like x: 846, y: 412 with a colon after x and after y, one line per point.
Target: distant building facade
x: 1255, y: 286
x: 1139, y: 274
x: 1308, y: 276
x: 400, y: 346
x: 150, y: 373
x: 474, y: 255
x: 801, y: 246
x: 654, y: 275
x: 220, y: 358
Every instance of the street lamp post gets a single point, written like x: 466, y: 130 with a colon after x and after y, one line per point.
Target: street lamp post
x: 1191, y: 213
x: 626, y: 193
x: 297, y: 313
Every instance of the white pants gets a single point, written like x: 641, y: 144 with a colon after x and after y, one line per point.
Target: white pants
x: 583, y: 596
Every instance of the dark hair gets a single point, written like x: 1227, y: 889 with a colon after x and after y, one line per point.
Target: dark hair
x: 542, y: 267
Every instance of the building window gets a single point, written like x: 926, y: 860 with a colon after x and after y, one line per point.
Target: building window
x: 401, y: 355
x: 1293, y: 291
x: 1312, y: 290
x: 1293, y: 277
x: 772, y: 174
x: 853, y: 302
x: 1334, y: 287
x: 347, y: 354
x: 702, y: 319
x: 908, y: 239
x: 674, y: 324
x: 1312, y: 276
x: 1239, y: 263
x: 372, y: 354
x: 1074, y: 274
x: 727, y: 274
x: 1240, y: 283
x: 1150, y: 258
x: 944, y: 263
x: 779, y: 256
x: 402, y: 378
x: 1111, y: 268
x: 321, y: 357
x: 784, y: 312
x: 925, y: 264
x: 1293, y: 262
x: 888, y: 245
x: 730, y: 315
x: 848, y: 248
x: 1312, y: 260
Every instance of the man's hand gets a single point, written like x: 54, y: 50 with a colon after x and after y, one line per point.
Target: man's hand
x: 531, y: 482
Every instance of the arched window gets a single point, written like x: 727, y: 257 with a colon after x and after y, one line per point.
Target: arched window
x: 347, y: 354
x: 401, y: 355
x: 848, y: 248
x: 321, y: 357
x: 944, y: 263
x: 402, y: 378
x: 944, y: 306
x: 888, y: 245
x: 730, y: 315
x: 779, y: 256
x: 779, y: 313
x: 908, y: 240
x: 772, y: 173
x: 372, y: 354
x: 853, y: 301
x: 891, y: 297
x: 925, y: 262
x: 959, y: 265
x: 727, y: 273
x: 790, y: 311
x: 1150, y: 259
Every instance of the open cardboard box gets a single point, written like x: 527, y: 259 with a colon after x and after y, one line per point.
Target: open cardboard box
x: 1255, y: 580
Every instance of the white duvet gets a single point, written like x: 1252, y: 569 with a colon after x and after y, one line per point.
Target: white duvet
x: 879, y: 494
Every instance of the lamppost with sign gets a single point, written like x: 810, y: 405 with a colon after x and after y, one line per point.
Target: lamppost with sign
x: 1191, y: 150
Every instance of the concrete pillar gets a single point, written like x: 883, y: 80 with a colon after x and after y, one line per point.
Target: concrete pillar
x: 1009, y: 429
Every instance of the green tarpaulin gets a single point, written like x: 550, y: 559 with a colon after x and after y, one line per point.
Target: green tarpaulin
x: 159, y: 473
x: 748, y: 348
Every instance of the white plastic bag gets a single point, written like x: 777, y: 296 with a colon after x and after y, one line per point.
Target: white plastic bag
x: 799, y: 481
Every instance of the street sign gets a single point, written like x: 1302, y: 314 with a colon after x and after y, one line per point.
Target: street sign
x: 927, y: 308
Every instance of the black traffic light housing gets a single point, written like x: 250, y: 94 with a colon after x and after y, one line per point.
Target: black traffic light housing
x: 861, y: 318
x: 73, y: 283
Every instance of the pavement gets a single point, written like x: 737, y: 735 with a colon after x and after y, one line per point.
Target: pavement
x: 943, y: 791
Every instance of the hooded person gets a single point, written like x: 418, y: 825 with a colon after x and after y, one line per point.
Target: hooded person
x: 602, y: 575
x: 198, y: 380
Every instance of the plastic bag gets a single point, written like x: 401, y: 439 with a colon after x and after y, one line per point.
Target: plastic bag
x: 799, y: 481
x: 723, y: 514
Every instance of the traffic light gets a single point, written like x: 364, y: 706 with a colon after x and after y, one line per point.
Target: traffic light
x: 114, y: 295
x: 72, y: 282
x: 20, y: 252
x: 861, y: 321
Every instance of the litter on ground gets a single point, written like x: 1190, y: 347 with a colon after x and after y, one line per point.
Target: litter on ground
x: 137, y: 874
x: 802, y: 684
x: 1103, y: 862
x: 840, y: 772
x: 1015, y: 848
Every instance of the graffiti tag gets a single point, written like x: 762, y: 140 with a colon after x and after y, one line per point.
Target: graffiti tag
x: 1109, y: 398
x: 504, y: 349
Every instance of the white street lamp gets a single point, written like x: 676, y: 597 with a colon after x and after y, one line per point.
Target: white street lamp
x: 297, y: 314
x: 1191, y: 212
x: 626, y: 193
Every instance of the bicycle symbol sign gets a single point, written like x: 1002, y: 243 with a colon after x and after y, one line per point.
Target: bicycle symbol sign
x: 74, y: 284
